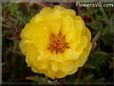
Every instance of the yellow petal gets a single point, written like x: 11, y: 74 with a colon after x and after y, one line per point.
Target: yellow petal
x: 45, y: 11
x: 54, y: 66
x: 60, y: 74
x: 79, y: 23
x: 34, y: 69
x: 54, y: 26
x: 71, y: 54
x: 26, y: 46
x: 43, y: 64
x: 87, y: 33
x: 42, y: 55
x: 57, y: 57
x: 73, y: 70
x: 42, y: 15
x: 60, y: 8
x: 67, y: 66
x: 84, y: 55
x: 69, y: 12
x: 26, y: 32
x: 50, y: 74
x: 83, y: 43
x: 39, y: 32
x: 67, y: 23
x: 71, y: 30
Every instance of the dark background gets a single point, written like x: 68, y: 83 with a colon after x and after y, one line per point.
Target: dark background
x: 97, y: 70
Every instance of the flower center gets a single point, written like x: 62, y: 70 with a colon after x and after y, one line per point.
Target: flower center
x: 57, y: 43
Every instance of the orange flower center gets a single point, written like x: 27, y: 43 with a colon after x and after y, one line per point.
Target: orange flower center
x: 57, y: 43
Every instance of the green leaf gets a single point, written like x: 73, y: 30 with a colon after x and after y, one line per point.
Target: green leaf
x: 6, y: 32
x: 40, y: 80
x: 107, y: 36
x: 98, y: 58
x: 13, y: 8
x: 89, y: 66
x: 88, y: 78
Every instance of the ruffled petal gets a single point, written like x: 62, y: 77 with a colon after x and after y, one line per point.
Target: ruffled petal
x: 83, y: 43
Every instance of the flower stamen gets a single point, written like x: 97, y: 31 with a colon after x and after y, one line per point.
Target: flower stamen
x: 57, y: 43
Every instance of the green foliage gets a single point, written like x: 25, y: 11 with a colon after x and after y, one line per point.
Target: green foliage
x: 98, y: 58
x: 14, y: 8
x: 98, y: 68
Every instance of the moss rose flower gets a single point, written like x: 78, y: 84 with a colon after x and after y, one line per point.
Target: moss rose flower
x: 56, y: 42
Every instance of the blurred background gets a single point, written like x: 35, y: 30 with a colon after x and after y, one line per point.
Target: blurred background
x: 97, y: 70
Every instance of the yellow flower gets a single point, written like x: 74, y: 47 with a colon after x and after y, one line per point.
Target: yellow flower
x: 56, y: 42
